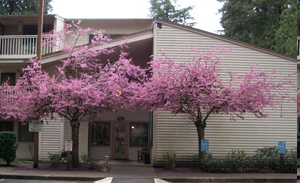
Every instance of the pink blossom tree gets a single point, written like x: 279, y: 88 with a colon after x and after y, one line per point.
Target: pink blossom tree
x: 82, y: 86
x: 195, y: 88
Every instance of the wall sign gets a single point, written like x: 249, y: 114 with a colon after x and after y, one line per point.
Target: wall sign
x: 281, y: 147
x: 120, y: 118
x: 204, y: 145
x: 68, y: 145
x: 36, y: 125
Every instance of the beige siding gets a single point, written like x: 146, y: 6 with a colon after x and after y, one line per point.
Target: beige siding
x: 58, y: 25
x: 83, y: 135
x: 25, y: 148
x: 51, y: 137
x: 116, y: 27
x: 98, y: 152
x: 298, y: 76
x: 179, y: 133
x: 138, y: 116
x: 11, y: 30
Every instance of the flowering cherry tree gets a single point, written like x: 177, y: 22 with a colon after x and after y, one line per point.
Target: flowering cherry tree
x: 82, y: 86
x: 195, y: 88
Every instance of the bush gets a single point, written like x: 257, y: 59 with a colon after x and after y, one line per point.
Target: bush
x: 59, y: 158
x: 64, y: 156
x: 8, y: 146
x: 55, y: 159
x: 288, y: 163
x: 235, y: 160
x: 213, y: 164
x: 195, y: 160
x: 266, y: 158
x: 85, y: 158
x: 169, y: 158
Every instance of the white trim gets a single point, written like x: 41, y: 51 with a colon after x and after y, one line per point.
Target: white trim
x: 117, y: 42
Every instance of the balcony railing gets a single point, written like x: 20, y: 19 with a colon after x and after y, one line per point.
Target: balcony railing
x: 21, y: 45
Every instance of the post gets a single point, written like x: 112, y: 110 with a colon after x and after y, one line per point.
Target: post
x: 105, y: 165
x: 39, y: 55
x: 68, y: 160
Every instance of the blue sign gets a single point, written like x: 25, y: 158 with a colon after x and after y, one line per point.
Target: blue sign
x: 204, y: 145
x: 281, y: 147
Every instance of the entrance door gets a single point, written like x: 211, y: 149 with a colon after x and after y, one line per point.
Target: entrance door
x: 120, y: 140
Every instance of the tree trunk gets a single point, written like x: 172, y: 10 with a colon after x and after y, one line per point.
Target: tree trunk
x: 75, y: 138
x: 200, y: 131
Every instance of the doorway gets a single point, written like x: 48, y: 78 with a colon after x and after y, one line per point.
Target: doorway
x: 119, y: 140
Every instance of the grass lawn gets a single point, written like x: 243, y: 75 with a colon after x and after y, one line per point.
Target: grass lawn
x: 17, y: 161
x: 298, y: 161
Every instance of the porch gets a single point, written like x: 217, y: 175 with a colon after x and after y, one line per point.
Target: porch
x: 20, y: 46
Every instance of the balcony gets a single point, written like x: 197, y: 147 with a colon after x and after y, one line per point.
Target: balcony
x: 20, y: 46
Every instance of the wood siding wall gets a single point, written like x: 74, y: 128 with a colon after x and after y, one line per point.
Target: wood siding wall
x: 83, y: 136
x: 112, y: 27
x: 25, y: 148
x: 179, y: 133
x: 51, y: 138
x: 298, y: 76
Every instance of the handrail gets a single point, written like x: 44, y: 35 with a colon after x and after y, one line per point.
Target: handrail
x: 21, y: 45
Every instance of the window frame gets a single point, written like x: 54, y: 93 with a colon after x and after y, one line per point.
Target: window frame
x: 94, y: 124
x: 129, y: 135
x: 28, y: 133
x: 8, y: 123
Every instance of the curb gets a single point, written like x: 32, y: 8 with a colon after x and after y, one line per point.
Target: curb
x: 228, y: 179
x: 50, y: 177
x: 169, y: 179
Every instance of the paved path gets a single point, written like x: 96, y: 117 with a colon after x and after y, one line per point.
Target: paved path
x: 129, y: 171
x: 130, y: 180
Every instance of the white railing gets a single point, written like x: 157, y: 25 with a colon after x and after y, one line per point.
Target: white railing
x: 21, y: 45
x: 8, y: 94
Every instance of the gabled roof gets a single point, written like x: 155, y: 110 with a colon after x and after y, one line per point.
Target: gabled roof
x: 226, y: 39
x: 146, y: 34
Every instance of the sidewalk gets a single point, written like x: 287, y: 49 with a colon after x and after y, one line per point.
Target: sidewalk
x: 134, y: 170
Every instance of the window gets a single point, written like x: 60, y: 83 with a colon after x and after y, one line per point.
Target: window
x: 24, y: 134
x: 6, y: 126
x: 100, y: 134
x: 10, y: 76
x: 138, y: 134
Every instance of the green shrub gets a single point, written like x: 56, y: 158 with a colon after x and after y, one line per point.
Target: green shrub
x: 195, y: 160
x: 288, y: 162
x: 55, y: 159
x: 64, y: 156
x: 85, y: 158
x: 235, y: 160
x: 266, y: 158
x: 169, y: 158
x: 214, y: 164
x: 8, y: 146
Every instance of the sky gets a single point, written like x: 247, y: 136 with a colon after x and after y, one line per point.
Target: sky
x: 204, y: 12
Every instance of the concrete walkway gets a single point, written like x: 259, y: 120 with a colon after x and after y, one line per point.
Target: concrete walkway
x: 133, y: 170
